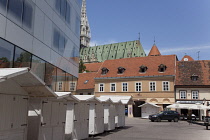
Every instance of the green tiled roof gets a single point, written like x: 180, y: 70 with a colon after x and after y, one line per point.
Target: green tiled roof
x: 112, y: 51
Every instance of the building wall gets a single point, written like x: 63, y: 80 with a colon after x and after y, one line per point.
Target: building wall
x: 43, y: 35
x: 202, y: 93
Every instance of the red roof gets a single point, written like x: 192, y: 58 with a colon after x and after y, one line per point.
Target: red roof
x: 86, y: 80
x: 93, y: 67
x: 132, y: 66
x: 187, y: 58
x: 186, y: 69
x: 154, y: 51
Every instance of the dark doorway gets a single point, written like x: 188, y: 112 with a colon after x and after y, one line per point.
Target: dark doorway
x: 136, y: 109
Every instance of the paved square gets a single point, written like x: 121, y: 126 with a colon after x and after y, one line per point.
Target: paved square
x: 143, y: 129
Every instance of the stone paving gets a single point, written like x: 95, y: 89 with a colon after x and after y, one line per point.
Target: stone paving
x: 143, y: 129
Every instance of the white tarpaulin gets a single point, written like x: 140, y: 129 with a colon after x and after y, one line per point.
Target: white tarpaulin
x: 148, y: 109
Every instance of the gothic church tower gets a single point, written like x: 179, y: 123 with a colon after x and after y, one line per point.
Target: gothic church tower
x: 84, y: 28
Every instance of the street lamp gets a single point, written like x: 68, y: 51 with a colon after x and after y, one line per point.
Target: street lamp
x: 204, y: 101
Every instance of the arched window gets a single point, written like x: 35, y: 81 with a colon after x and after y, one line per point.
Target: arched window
x: 162, y: 68
x: 104, y: 71
x: 143, y: 69
x: 121, y: 70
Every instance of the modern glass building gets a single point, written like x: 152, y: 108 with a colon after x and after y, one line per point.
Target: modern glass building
x: 43, y: 35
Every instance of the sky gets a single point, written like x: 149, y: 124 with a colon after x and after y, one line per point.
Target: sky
x: 180, y: 27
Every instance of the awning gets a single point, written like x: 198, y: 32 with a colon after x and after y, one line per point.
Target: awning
x: 149, y: 104
x: 199, y: 106
x: 25, y: 79
x: 87, y: 98
x: 179, y: 106
x: 66, y: 95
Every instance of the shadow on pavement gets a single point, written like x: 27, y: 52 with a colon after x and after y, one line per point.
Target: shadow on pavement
x: 106, y: 133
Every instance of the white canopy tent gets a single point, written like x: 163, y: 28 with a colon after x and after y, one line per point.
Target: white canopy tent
x: 148, y: 109
x: 16, y: 85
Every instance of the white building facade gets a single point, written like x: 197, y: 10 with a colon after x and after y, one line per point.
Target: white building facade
x: 43, y: 35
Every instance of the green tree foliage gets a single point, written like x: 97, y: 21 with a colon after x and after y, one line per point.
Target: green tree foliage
x: 82, y: 67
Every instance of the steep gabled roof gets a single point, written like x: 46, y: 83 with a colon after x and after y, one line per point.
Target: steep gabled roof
x: 93, y: 67
x: 154, y: 51
x: 86, y: 81
x: 186, y: 69
x: 132, y: 66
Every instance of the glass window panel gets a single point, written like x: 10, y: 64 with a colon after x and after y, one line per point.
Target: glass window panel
x: 63, y: 8
x: 22, y: 58
x: 61, y: 78
x: 50, y: 76
x: 68, y: 13
x: 3, y: 4
x: 15, y: 9
x: 38, y: 67
x: 77, y: 28
x: 61, y: 44
x: 69, y: 80
x: 6, y: 54
x: 58, y: 5
x: 28, y: 15
x: 56, y: 36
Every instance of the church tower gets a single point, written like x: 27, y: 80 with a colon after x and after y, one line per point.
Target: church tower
x: 84, y: 28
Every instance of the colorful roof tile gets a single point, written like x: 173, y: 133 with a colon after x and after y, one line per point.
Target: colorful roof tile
x: 154, y: 51
x: 86, y: 81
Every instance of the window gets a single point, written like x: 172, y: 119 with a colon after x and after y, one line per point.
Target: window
x: 113, y: 87
x: 121, y: 70
x: 22, y: 58
x: 162, y: 68
x: 143, y: 69
x: 38, y: 67
x: 59, y: 40
x: 77, y: 27
x: 194, y: 94
x: 194, y: 77
x: 183, y: 94
x: 104, y: 71
x: 15, y: 9
x: 101, y: 87
x: 124, y: 86
x: 165, y: 86
x: 63, y: 8
x: 60, y: 77
x: 60, y: 85
x: 56, y: 36
x: 68, y: 11
x: 138, y: 87
x: 152, y: 86
x: 72, y: 86
x: 6, y: 54
x: 3, y: 4
x: 28, y: 14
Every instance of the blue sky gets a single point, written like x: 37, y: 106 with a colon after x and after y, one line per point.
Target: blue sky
x: 180, y: 26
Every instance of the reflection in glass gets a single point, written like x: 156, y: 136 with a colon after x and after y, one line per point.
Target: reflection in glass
x: 69, y: 79
x: 58, y: 5
x: 15, y: 8
x: 61, y: 78
x: 56, y: 36
x: 63, y: 8
x: 6, y: 54
x: 28, y: 15
x: 22, y: 58
x: 38, y: 67
x: 61, y: 44
x: 68, y: 12
x: 77, y: 28
x: 3, y: 4
x: 50, y: 76
x: 75, y: 54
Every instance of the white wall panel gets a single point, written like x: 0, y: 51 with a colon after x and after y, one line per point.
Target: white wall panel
x: 41, y: 50
x: 39, y: 24
x: 3, y: 26
x: 45, y: 8
x: 18, y: 36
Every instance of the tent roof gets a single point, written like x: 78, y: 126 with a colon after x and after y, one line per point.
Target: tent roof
x: 87, y: 98
x: 27, y: 80
x: 149, y: 104
x: 66, y: 95
x: 180, y: 106
x: 119, y: 99
x: 105, y: 100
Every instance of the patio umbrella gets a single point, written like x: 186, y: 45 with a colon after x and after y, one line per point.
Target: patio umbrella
x: 199, y: 106
x: 178, y: 106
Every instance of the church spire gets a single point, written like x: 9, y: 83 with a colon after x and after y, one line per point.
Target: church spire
x: 85, y: 28
x: 154, y: 51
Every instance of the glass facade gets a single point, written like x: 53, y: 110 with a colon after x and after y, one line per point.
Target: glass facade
x: 12, y: 56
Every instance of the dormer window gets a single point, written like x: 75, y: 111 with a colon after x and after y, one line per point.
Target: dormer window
x: 143, y: 69
x: 121, y: 70
x: 104, y: 71
x: 162, y: 68
x: 194, y: 77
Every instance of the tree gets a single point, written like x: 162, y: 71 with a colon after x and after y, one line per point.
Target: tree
x: 82, y: 67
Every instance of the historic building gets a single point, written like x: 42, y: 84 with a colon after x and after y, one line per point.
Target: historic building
x: 192, y: 83
x: 85, y: 28
x: 43, y: 35
x: 148, y: 79
x: 112, y: 51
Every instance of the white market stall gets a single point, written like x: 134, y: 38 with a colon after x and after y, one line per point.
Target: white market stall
x: 16, y: 85
x: 119, y: 108
x: 148, y: 109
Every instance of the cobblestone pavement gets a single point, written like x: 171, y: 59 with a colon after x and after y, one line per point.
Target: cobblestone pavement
x: 143, y: 129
